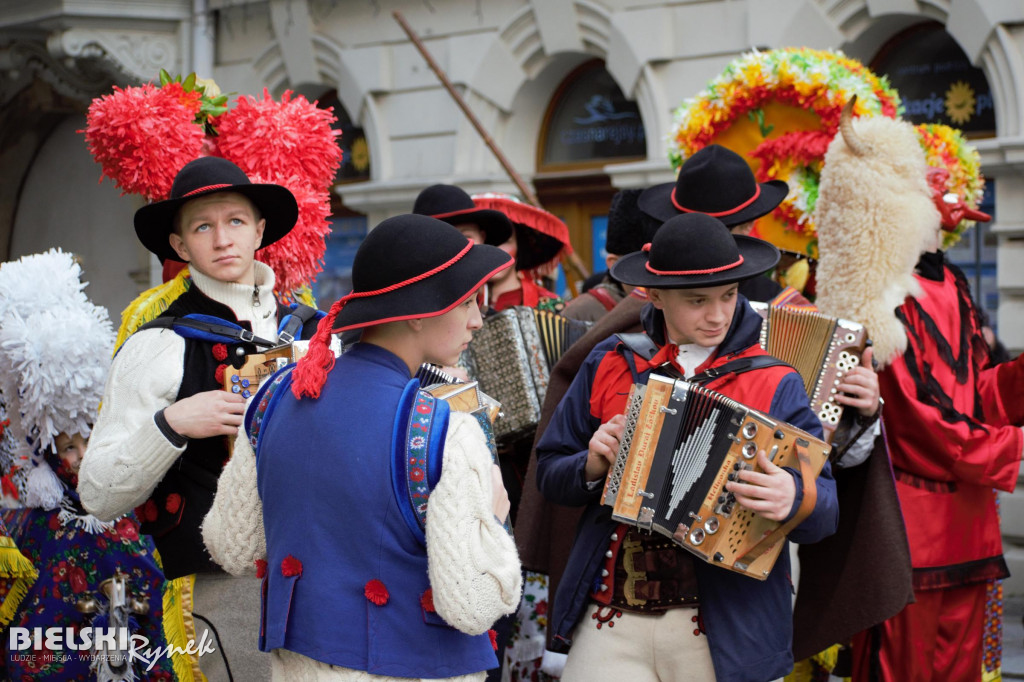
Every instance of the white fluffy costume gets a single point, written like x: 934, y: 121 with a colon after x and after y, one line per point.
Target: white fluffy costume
x: 54, y: 353
x: 874, y: 177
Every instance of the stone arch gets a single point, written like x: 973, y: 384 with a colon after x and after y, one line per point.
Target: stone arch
x: 532, y: 52
x: 331, y: 72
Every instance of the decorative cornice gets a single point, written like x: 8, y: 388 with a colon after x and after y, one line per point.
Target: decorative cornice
x: 79, y: 80
x: 138, y: 54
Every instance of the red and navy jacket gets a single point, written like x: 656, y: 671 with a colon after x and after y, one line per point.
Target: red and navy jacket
x: 748, y: 622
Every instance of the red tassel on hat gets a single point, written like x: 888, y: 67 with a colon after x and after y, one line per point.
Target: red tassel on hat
x: 310, y: 373
x: 376, y: 592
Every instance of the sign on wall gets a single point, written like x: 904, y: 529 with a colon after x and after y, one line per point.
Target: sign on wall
x: 936, y: 81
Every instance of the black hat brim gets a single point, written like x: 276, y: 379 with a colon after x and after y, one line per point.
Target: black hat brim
x: 429, y: 297
x: 496, y: 226
x: 656, y: 202
x: 758, y: 257
x: 276, y: 204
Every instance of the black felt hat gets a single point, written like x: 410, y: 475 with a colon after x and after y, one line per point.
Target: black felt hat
x: 414, y: 266
x: 454, y: 206
x: 695, y: 250
x: 718, y: 182
x: 209, y: 175
x: 629, y: 228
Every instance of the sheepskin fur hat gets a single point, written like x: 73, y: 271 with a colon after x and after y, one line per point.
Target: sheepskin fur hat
x: 875, y: 216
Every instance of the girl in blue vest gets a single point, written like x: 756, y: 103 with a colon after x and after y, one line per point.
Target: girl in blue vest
x: 326, y: 495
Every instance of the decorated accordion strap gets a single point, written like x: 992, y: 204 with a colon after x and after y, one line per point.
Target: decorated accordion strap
x: 417, y: 447
x: 263, y: 404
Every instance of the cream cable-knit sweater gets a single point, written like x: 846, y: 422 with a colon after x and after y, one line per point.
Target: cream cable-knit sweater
x: 472, y: 562
x: 127, y: 454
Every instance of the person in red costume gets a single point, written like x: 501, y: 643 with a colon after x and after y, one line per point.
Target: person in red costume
x: 538, y: 242
x: 951, y: 419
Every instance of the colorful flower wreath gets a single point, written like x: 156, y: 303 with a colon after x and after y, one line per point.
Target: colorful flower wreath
x: 781, y: 109
x: 946, y: 147
x: 142, y: 136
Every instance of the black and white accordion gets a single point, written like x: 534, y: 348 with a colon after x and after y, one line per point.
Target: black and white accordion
x: 821, y: 348
x: 511, y: 357
x: 681, y: 444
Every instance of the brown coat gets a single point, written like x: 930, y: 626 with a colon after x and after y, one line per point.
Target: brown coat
x: 861, y: 575
x: 545, y: 531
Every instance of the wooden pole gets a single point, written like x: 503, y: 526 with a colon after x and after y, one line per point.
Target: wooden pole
x: 572, y: 259
x: 516, y: 178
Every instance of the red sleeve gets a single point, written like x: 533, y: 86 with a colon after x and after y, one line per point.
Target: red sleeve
x: 1002, y: 392
x: 938, y: 439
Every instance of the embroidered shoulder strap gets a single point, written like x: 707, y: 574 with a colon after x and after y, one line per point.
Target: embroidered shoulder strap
x: 263, y: 404
x: 417, y: 447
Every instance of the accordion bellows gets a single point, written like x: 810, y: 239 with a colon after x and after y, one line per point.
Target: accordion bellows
x: 512, y: 356
x: 680, y: 446
x: 820, y: 347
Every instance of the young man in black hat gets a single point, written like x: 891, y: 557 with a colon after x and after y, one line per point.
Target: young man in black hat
x: 424, y: 566
x: 159, y: 443
x: 718, y: 182
x: 628, y: 230
x: 683, y: 618
x: 454, y: 206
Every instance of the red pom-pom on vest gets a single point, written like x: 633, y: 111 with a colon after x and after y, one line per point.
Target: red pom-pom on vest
x: 220, y: 351
x: 218, y: 374
x: 261, y: 568
x: 290, y: 566
x: 173, y: 503
x: 376, y: 592
x: 493, y: 634
x: 427, y: 601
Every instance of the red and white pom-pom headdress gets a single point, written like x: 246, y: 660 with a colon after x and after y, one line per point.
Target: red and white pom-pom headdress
x: 142, y: 136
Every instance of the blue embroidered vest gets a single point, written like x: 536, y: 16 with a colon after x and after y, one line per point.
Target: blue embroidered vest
x: 346, y: 580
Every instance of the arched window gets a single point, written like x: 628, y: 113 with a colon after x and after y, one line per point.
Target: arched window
x: 938, y: 84
x: 355, y: 161
x: 936, y: 80
x: 590, y: 122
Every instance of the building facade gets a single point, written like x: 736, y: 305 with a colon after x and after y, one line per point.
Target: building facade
x: 519, y: 66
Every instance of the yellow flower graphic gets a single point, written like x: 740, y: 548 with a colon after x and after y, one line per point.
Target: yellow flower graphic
x: 360, y: 154
x: 959, y: 102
